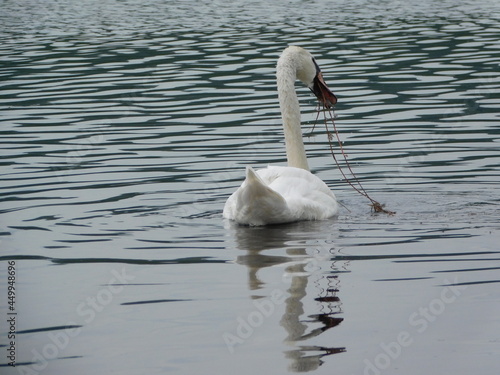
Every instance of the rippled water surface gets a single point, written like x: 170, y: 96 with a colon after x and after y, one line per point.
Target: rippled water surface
x: 125, y: 125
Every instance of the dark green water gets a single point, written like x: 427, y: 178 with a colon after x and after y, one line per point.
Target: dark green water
x: 125, y: 125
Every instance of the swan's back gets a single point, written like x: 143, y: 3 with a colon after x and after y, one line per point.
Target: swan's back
x: 280, y: 195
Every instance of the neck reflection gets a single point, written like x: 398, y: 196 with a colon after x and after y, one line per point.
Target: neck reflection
x: 311, y: 281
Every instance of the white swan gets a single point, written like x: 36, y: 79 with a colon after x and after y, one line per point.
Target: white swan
x: 286, y: 194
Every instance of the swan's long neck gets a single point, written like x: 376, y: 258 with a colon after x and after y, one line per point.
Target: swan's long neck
x: 286, y: 76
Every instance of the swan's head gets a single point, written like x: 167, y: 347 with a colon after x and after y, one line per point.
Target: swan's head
x: 308, y: 72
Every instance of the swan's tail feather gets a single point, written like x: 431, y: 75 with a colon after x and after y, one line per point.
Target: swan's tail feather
x: 255, y: 203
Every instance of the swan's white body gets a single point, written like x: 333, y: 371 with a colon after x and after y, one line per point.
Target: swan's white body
x: 286, y: 194
x: 279, y: 194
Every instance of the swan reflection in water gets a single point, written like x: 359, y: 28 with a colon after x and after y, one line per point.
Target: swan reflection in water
x: 301, y: 269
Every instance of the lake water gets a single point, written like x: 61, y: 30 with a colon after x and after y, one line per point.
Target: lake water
x: 125, y: 125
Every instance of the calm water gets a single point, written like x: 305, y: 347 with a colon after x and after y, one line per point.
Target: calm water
x: 126, y: 125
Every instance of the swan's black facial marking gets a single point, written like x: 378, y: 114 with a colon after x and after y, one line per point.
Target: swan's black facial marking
x: 318, y: 70
x: 321, y: 90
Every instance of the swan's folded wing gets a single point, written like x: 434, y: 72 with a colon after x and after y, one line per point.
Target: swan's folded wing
x: 255, y: 203
x: 306, y: 195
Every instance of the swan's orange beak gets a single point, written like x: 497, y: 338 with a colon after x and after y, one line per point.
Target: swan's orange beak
x: 322, y: 92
